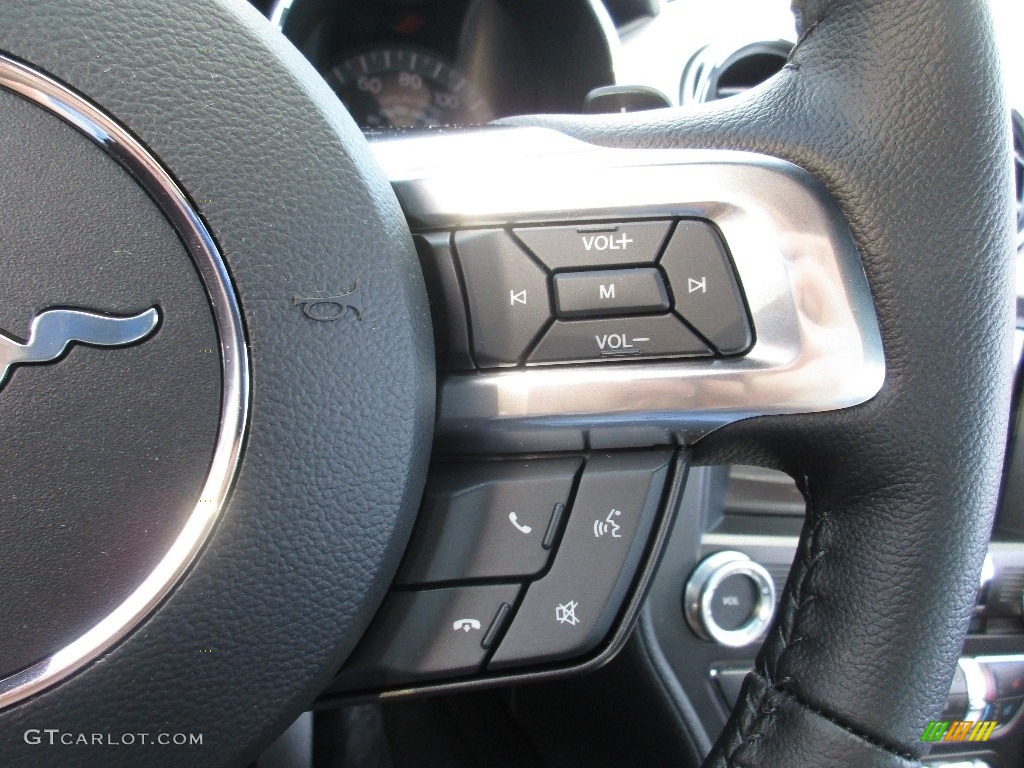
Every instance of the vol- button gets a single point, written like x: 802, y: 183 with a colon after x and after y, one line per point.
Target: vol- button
x: 624, y: 337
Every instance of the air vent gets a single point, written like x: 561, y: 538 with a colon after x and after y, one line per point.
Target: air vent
x: 757, y: 491
x: 720, y: 71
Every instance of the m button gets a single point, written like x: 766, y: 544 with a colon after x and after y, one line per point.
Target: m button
x: 610, y: 292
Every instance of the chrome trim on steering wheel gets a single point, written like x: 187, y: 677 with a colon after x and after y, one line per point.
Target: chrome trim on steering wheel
x: 817, y: 348
x: 105, y: 132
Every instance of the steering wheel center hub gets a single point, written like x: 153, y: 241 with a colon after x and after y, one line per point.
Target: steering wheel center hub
x: 122, y: 360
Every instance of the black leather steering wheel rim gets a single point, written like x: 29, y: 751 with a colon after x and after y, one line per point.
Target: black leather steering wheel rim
x: 895, y: 105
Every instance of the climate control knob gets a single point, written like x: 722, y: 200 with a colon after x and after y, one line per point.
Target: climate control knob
x: 729, y: 599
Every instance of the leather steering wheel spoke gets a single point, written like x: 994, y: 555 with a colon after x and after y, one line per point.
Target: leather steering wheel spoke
x: 901, y: 490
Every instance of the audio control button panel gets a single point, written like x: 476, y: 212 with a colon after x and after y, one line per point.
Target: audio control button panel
x: 594, y: 292
x: 516, y: 564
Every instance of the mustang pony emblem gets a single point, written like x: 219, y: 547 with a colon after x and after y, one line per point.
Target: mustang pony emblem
x: 53, y: 330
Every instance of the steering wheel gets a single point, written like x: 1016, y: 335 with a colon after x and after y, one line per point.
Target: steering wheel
x: 207, y: 494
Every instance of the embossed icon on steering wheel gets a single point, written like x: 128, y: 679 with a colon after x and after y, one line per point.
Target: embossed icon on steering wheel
x: 325, y: 309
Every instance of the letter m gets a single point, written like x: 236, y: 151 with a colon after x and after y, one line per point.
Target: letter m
x: 935, y: 730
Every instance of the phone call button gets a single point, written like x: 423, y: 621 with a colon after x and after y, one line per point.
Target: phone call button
x: 489, y: 520
x: 430, y: 634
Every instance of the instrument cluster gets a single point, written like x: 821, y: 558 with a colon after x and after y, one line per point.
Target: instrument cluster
x: 400, y: 64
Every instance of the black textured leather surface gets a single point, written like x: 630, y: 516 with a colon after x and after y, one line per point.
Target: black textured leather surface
x: 75, y: 548
x: 896, y: 106
x: 341, y: 411
x: 762, y: 729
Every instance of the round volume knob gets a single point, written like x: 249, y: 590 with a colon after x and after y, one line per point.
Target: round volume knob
x: 729, y: 599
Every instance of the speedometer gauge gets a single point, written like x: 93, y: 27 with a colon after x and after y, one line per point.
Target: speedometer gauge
x: 406, y: 88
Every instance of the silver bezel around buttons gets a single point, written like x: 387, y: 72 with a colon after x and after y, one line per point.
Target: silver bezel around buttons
x: 700, y: 591
x: 817, y: 344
